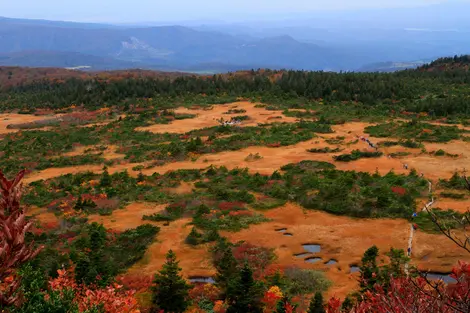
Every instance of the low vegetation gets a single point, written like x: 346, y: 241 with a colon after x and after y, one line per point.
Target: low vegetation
x: 420, y: 131
x: 356, y: 155
x: 325, y: 150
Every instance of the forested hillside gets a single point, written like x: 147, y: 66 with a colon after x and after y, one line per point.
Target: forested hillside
x: 435, y: 92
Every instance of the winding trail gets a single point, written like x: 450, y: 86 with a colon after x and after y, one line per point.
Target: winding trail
x: 424, y: 209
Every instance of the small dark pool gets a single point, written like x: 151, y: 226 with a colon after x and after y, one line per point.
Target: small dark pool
x: 313, y: 260
x: 202, y: 279
x: 288, y: 234
x: 440, y: 276
x: 331, y: 262
x: 312, y: 248
x: 354, y: 269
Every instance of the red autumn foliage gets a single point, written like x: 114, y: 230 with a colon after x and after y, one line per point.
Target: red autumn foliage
x: 139, y: 283
x: 259, y: 258
x: 112, y: 298
x: 202, y: 292
x: 227, y: 206
x: 240, y: 213
x: 14, y: 251
x: 399, y: 190
x: 416, y: 295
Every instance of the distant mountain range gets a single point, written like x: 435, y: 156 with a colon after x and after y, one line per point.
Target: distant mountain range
x: 61, y: 44
x: 337, y: 41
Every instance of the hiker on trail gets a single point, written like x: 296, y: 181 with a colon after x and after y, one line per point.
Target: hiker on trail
x: 409, y: 251
x: 422, y: 174
x: 405, y: 166
x: 414, y: 215
x: 415, y: 227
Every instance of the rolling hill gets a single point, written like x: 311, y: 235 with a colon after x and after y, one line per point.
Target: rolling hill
x: 46, y: 43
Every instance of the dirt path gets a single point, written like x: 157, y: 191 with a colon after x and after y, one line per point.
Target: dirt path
x: 426, y: 207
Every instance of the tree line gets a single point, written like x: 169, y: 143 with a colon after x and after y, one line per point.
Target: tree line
x: 435, y: 92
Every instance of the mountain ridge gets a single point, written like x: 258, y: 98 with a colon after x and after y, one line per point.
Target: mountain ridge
x: 163, y: 47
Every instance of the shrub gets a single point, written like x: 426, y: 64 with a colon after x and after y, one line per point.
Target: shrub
x: 399, y: 154
x: 356, y: 155
x: 324, y: 150
x: 253, y: 157
x: 440, y: 152
x: 235, y: 111
x: 193, y: 237
x: 301, y: 281
x: 455, y: 182
x: 452, y: 195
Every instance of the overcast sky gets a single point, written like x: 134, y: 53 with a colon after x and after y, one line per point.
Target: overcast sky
x: 126, y: 11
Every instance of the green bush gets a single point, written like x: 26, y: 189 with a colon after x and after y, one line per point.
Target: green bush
x: 455, y: 182
x: 448, y: 219
x: 324, y: 150
x: 452, y: 195
x: 415, y: 130
x: 356, y: 155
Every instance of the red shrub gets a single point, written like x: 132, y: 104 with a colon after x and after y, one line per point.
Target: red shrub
x: 226, y: 206
x: 416, y: 295
x: 259, y: 258
x: 204, y: 292
x: 111, y: 299
x: 399, y: 190
x: 139, y: 283
x: 240, y: 213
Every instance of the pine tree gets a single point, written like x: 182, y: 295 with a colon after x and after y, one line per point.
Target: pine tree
x: 193, y: 237
x: 140, y: 177
x: 93, y: 263
x: 316, y: 304
x: 370, y: 272
x: 244, y: 294
x: 105, y: 180
x: 225, y: 263
x: 170, y: 293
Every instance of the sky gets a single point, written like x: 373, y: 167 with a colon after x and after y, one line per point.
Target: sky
x: 131, y: 11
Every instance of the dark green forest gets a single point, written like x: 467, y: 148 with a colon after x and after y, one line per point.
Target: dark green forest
x: 437, y: 93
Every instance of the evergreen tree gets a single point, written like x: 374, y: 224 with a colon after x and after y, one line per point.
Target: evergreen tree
x: 140, y: 177
x: 225, y: 263
x: 92, y: 262
x: 398, y: 259
x: 244, y: 295
x: 170, y: 293
x: 105, y: 180
x: 193, y: 237
x: 370, y: 272
x: 316, y: 304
